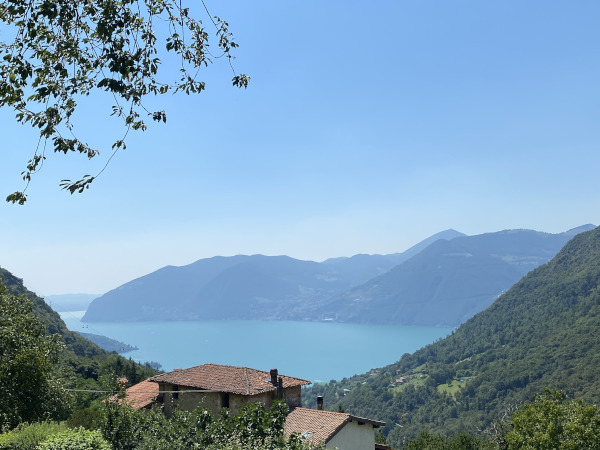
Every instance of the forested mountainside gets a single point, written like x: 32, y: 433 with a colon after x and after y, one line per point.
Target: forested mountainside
x: 543, y: 332
x: 442, y: 281
x: 82, y: 362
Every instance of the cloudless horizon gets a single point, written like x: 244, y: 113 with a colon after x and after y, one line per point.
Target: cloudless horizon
x: 366, y: 128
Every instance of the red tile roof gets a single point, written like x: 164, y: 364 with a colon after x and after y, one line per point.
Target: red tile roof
x: 140, y: 395
x: 231, y: 379
x: 314, y: 425
x: 319, y: 426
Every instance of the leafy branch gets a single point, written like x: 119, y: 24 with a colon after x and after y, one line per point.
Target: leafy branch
x: 63, y: 50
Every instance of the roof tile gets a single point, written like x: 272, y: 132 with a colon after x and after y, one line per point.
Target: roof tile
x: 314, y: 425
x: 140, y: 395
x: 231, y: 379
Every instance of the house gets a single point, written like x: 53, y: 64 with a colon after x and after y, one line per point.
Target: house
x: 334, y: 429
x: 141, y: 395
x: 215, y: 386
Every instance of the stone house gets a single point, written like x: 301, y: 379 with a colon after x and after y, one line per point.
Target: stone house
x: 215, y: 386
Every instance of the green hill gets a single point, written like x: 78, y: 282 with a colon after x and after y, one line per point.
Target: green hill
x: 543, y: 332
x: 82, y: 362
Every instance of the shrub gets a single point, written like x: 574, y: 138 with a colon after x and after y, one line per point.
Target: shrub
x: 28, y: 436
x: 80, y: 439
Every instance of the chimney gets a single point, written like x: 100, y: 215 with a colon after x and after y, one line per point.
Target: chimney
x: 122, y: 383
x: 320, y: 402
x: 273, y: 377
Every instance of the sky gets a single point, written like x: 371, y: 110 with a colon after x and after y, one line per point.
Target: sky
x: 366, y: 128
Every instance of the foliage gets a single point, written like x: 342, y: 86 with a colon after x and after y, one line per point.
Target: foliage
x: 28, y: 436
x: 89, y: 418
x: 62, y: 51
x: 30, y: 388
x: 543, y: 332
x: 462, y: 441
x: 80, y: 439
x: 253, y: 427
x: 552, y: 421
x: 81, y: 363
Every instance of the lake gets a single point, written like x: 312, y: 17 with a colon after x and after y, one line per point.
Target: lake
x: 316, y: 351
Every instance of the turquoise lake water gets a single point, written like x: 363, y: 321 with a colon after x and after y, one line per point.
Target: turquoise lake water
x: 316, y: 351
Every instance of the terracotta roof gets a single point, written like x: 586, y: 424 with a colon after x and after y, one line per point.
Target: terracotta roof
x: 319, y: 426
x: 140, y: 395
x: 231, y: 379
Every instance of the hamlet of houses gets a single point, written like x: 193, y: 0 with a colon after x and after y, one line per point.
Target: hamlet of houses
x: 215, y: 386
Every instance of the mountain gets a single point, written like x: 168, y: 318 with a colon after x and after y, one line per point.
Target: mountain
x: 440, y: 282
x: 543, y: 332
x: 108, y: 344
x: 361, y: 268
x: 243, y: 287
x: 449, y: 281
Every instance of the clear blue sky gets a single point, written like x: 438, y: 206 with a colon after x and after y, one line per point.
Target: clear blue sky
x: 368, y: 126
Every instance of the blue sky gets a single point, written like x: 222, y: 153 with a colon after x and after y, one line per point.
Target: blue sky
x: 367, y: 127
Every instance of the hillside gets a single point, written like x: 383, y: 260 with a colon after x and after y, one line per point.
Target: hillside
x: 74, y: 342
x: 543, y: 332
x: 82, y: 362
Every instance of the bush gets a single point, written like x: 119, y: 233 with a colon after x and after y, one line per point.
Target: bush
x: 28, y: 436
x: 80, y: 439
x: 88, y: 418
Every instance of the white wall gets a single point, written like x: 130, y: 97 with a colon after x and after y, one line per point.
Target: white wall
x: 354, y: 437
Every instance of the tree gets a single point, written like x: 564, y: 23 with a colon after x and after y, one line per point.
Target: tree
x: 552, y: 421
x: 29, y: 389
x: 63, y: 50
x: 252, y: 427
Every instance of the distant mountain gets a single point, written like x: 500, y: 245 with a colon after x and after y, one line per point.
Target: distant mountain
x: 242, y: 287
x: 543, y: 332
x: 361, y: 268
x: 440, y: 281
x: 108, y: 344
x: 70, y: 302
x: 447, y: 282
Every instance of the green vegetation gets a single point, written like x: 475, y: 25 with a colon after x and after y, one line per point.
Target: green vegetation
x: 54, y: 54
x: 552, y: 421
x: 28, y: 436
x: 253, y: 427
x: 40, y: 359
x: 31, y: 390
x: 80, y: 439
x: 462, y: 441
x: 544, y: 332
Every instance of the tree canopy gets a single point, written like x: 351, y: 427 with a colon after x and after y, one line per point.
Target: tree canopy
x: 55, y: 52
x: 30, y: 391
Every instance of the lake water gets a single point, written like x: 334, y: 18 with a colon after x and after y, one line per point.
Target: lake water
x: 316, y: 351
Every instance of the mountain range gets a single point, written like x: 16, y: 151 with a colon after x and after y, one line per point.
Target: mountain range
x: 441, y: 281
x: 543, y: 333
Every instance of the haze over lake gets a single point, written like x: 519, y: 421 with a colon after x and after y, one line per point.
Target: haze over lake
x: 316, y: 351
